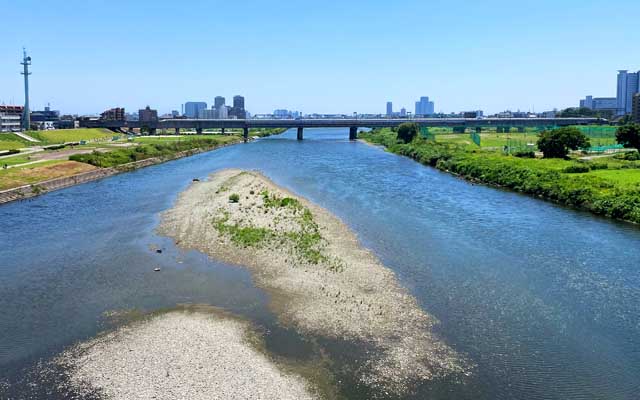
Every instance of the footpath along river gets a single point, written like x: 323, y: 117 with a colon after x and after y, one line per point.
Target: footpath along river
x: 543, y: 301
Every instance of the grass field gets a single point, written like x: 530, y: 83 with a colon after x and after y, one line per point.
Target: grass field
x: 71, y: 135
x: 15, y: 160
x: 598, y: 136
x: 9, y: 141
x: 20, y: 176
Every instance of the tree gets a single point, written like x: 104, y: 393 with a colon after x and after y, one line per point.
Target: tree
x: 407, y: 132
x: 557, y: 142
x: 629, y: 136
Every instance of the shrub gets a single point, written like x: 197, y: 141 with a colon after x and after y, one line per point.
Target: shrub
x: 407, y: 132
x: 576, y: 169
x: 234, y: 198
x: 525, y: 154
x: 629, y: 136
x: 629, y: 156
x: 599, y: 165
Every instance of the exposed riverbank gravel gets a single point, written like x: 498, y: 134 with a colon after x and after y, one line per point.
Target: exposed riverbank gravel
x: 343, y: 293
x: 180, y: 355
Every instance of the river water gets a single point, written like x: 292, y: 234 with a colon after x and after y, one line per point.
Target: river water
x: 543, y: 300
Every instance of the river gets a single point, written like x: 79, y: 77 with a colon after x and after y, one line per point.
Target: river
x: 542, y: 299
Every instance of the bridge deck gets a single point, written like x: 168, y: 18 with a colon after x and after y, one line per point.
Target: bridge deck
x: 339, y: 123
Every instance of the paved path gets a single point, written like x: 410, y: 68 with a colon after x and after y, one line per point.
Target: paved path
x: 27, y: 137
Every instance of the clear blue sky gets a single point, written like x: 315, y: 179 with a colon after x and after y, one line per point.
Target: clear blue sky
x: 329, y: 56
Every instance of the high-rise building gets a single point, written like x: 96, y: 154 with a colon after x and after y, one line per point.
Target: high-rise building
x: 238, y: 102
x: 192, y: 109
x: 389, y: 109
x: 424, y: 106
x: 628, y: 86
x: 238, y: 110
x: 635, y: 108
x: 403, y: 112
x: 218, y: 102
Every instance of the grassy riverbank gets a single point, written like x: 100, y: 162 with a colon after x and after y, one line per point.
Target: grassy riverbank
x: 105, y: 149
x: 606, y: 186
x: 150, y: 149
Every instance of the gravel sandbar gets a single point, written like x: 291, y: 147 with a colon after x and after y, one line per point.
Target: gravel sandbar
x: 181, y: 354
x: 321, y: 280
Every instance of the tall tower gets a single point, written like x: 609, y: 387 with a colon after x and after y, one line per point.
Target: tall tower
x: 26, y: 118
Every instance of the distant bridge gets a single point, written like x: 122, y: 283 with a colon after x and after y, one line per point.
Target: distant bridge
x: 199, y: 125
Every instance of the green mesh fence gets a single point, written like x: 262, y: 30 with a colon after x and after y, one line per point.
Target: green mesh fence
x: 475, y: 138
x: 427, y: 134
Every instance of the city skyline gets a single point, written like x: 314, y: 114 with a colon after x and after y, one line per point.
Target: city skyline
x: 314, y: 71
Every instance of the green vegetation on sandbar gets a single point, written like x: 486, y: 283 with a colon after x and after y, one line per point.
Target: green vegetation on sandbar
x: 150, y: 150
x: 607, y: 186
x: 305, y: 241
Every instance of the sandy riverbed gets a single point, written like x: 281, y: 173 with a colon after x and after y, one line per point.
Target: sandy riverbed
x: 326, y: 285
x: 182, y: 354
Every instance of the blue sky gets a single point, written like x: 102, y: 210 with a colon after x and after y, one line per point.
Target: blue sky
x: 329, y: 56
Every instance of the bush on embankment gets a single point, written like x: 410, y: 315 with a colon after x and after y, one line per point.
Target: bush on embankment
x: 541, y: 178
x: 143, y: 152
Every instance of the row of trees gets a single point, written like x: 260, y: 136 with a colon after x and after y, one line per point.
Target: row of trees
x: 555, y: 143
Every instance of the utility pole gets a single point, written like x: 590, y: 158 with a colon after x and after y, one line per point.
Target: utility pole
x: 26, y: 118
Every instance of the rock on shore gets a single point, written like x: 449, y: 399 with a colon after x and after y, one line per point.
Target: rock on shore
x: 321, y: 280
x: 181, y: 354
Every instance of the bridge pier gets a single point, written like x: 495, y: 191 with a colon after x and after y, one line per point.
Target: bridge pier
x: 198, y: 131
x: 177, y: 131
x: 152, y: 131
x: 300, y: 135
x: 222, y: 131
x: 353, y: 132
x: 245, y: 134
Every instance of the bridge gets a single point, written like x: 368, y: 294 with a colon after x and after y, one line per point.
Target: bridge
x: 199, y: 125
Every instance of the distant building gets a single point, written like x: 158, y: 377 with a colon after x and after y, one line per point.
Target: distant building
x: 10, y: 118
x: 208, y: 113
x: 192, y: 108
x: 67, y: 122
x: 175, y: 114
x: 113, y: 114
x: 635, y: 108
x: 223, y: 112
x: 238, y: 110
x: 403, y: 112
x: 609, y: 104
x: 131, y: 116
x: 284, y: 114
x: 389, y: 109
x: 628, y: 86
x: 218, y: 102
x: 424, y: 106
x: 472, y: 114
x: 147, y: 115
x: 238, y: 102
x: 45, y: 119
